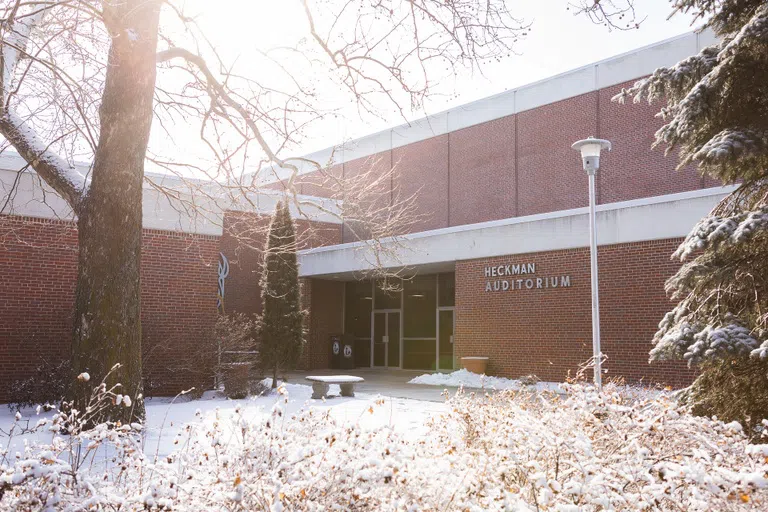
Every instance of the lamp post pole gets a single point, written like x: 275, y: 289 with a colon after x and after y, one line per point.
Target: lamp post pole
x: 593, y: 272
x: 590, y: 154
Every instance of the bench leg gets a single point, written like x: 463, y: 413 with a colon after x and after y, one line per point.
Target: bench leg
x: 319, y: 390
x: 347, y: 389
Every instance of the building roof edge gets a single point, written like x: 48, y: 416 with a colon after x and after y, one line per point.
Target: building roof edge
x: 597, y: 75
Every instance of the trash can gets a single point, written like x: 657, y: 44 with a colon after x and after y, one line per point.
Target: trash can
x: 336, y: 351
x: 347, y: 352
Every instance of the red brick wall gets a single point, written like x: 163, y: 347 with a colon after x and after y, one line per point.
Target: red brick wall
x: 321, y: 183
x: 632, y: 170
x: 482, y: 172
x: 523, y: 164
x: 38, y: 270
x: 243, y: 243
x: 178, y: 309
x: 547, y: 332
x: 324, y: 302
x: 422, y: 169
x: 549, y: 173
x: 277, y: 185
x: 373, y: 170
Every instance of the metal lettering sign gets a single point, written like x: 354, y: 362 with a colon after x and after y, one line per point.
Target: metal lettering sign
x: 522, y: 278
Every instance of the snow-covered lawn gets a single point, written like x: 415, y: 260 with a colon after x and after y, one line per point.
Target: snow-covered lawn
x: 166, y: 417
x: 467, y: 379
x: 619, y: 449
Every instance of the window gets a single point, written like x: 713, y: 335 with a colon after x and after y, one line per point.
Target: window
x: 357, y: 309
x: 419, y: 302
x: 388, y: 294
x: 447, y: 289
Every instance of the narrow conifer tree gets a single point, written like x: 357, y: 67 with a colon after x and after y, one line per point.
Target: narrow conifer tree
x: 282, y: 330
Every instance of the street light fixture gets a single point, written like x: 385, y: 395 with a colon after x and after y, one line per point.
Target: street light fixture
x: 590, y: 154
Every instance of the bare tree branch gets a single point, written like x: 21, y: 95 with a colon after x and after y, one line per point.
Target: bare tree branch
x: 56, y: 171
x: 613, y: 14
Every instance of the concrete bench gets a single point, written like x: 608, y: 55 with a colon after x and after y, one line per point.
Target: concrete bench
x: 320, y: 384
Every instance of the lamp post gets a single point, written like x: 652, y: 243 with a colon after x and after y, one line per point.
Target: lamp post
x: 590, y: 154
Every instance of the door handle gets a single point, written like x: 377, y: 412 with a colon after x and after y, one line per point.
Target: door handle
x: 385, y: 339
x: 451, y: 339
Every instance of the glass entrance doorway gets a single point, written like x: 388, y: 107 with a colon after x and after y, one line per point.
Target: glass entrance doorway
x: 445, y: 324
x: 385, y: 342
x: 402, y: 323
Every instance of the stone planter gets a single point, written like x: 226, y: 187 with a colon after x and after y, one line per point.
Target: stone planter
x: 476, y: 365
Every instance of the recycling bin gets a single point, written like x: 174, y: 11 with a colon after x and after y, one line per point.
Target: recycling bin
x: 347, y: 352
x: 336, y: 349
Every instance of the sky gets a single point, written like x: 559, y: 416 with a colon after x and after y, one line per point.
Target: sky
x: 558, y: 42
x: 259, y: 39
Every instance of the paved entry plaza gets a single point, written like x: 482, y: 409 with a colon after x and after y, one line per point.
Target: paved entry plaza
x: 381, y: 381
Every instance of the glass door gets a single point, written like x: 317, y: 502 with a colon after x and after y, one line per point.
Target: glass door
x: 379, y: 339
x: 385, y: 343
x: 393, y: 339
x: 445, y: 339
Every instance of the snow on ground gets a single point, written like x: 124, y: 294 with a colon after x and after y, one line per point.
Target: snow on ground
x: 467, y: 379
x: 585, y: 450
x: 166, y: 417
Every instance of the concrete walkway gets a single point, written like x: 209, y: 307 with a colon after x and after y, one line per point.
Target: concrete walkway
x: 379, y: 381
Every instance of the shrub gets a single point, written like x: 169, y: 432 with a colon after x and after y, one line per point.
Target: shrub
x: 46, y: 385
x: 49, y: 477
x: 236, y: 353
x: 232, y: 340
x: 620, y: 449
x: 236, y: 380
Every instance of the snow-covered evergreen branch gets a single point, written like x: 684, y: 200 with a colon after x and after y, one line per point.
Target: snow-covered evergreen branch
x: 673, y: 81
x: 711, y: 231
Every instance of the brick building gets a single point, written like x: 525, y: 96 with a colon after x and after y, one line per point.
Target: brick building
x: 497, y: 265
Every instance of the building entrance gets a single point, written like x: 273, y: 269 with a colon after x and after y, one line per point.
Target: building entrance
x: 402, y: 323
x: 385, y: 349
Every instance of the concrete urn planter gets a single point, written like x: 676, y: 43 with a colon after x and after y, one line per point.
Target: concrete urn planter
x: 476, y: 365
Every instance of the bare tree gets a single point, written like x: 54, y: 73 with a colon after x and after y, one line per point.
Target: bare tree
x: 612, y: 14
x: 84, y: 80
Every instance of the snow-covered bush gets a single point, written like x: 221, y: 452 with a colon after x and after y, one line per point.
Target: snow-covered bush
x: 234, y: 350
x: 232, y: 340
x: 619, y: 449
x: 46, y: 384
x: 59, y: 474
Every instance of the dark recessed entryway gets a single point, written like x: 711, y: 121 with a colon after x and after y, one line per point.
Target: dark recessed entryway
x: 402, y: 323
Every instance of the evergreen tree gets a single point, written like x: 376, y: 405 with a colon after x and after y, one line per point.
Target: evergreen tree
x: 282, y: 330
x: 716, y: 114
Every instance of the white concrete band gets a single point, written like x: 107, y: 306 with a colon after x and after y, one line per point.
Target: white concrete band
x: 654, y: 218
x: 199, y: 208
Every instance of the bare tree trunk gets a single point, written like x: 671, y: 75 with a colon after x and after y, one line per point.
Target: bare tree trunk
x: 274, y: 377
x: 108, y: 304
